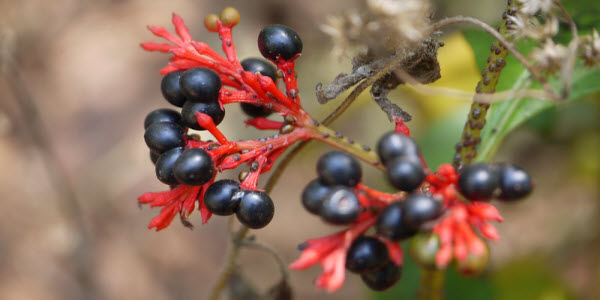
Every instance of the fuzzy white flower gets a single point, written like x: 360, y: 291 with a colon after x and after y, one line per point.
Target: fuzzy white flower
x: 590, y: 48
x: 531, y: 7
x: 550, y: 56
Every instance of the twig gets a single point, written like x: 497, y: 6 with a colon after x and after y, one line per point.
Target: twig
x: 504, y: 42
x: 282, y: 267
x: 431, y: 286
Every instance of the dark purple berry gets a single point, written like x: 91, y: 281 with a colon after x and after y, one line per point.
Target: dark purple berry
x: 383, y: 278
x: 340, y: 206
x: 339, y: 168
x: 154, y: 156
x: 279, y: 41
x: 313, y: 195
x: 165, y: 165
x: 164, y: 136
x: 188, y: 113
x: 255, y: 210
x: 257, y: 65
x: 515, y: 182
x: 390, y: 223
x: 405, y: 174
x: 220, y: 197
x: 420, y: 208
x: 478, y: 181
x: 171, y: 90
x: 162, y: 115
x: 366, y: 254
x: 194, y: 167
x: 255, y: 111
x: 200, y: 85
x: 393, y: 144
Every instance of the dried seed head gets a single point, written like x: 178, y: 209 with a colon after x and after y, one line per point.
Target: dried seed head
x: 550, y: 57
x: 590, y: 48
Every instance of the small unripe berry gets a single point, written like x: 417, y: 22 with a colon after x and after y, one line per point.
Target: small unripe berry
x: 423, y: 248
x: 230, y: 16
x: 210, y: 22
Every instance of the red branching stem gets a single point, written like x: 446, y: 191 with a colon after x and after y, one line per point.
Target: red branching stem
x: 251, y: 181
x: 287, y: 67
x: 264, y: 123
x: 380, y: 196
x: 206, y: 122
x: 227, y: 43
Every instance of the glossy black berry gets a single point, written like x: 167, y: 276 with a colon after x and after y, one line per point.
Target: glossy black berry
x: 257, y: 65
x: 405, y: 174
x: 254, y: 110
x: 194, y: 167
x: 393, y: 144
x: 478, y: 181
x: 165, y: 165
x: 154, y: 156
x: 255, y: 210
x: 164, y: 136
x: 515, y: 182
x: 279, y: 41
x: 420, y: 208
x: 339, y: 168
x: 200, y: 85
x: 188, y: 113
x: 313, y: 195
x: 220, y: 197
x: 171, y: 90
x: 383, y: 278
x: 162, y: 115
x: 390, y: 223
x: 366, y: 254
x: 340, y: 206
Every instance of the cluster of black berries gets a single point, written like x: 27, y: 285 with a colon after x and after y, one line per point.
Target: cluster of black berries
x: 174, y: 164
x: 254, y: 209
x: 369, y: 257
x: 506, y: 182
x: 331, y: 195
x: 404, y: 169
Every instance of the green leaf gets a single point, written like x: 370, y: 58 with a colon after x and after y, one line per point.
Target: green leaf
x: 503, y: 117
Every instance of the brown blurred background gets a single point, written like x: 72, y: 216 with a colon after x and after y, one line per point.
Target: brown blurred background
x: 92, y: 84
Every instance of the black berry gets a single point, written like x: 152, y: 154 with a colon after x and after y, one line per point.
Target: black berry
x: 340, y: 206
x: 478, y: 181
x: 255, y: 111
x: 261, y: 66
x: 405, y: 174
x: 420, y: 208
x: 165, y: 165
x: 383, y: 278
x: 154, y: 156
x: 339, y: 168
x: 188, y: 113
x: 162, y: 115
x: 164, y: 136
x: 279, y: 41
x: 393, y: 144
x: 390, y: 223
x: 194, y: 167
x: 200, y: 85
x: 366, y: 254
x: 255, y: 210
x: 313, y: 195
x: 220, y: 197
x: 515, y: 182
x: 171, y: 90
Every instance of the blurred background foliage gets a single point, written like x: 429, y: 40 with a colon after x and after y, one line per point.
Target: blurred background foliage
x: 93, y: 86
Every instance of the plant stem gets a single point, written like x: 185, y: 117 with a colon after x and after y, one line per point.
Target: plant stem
x: 431, y: 286
x: 230, y: 263
x: 470, y: 137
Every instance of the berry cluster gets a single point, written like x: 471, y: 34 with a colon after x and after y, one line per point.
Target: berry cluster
x: 447, y: 206
x: 444, y: 203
